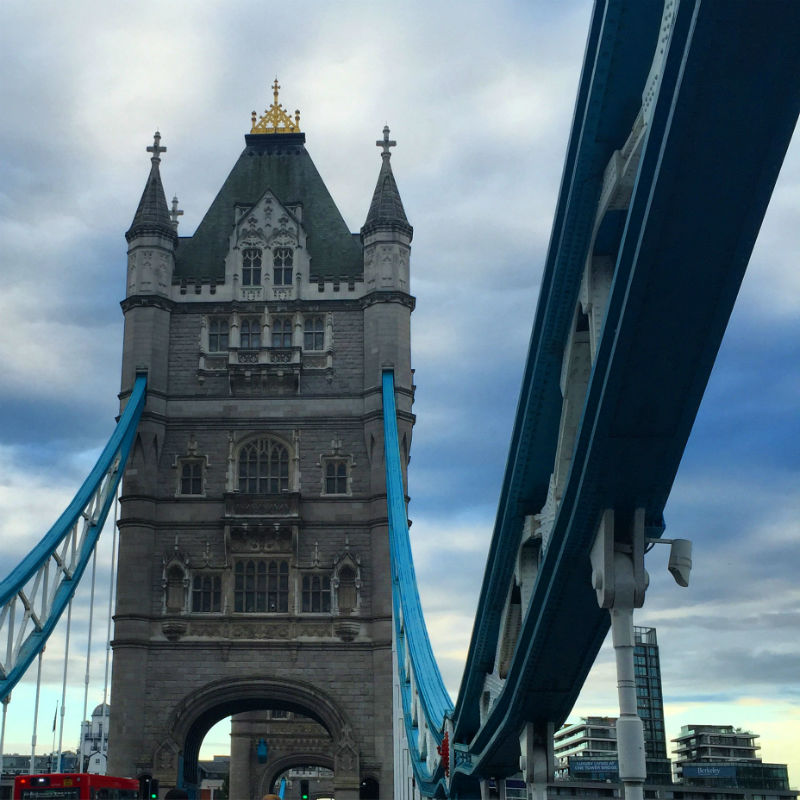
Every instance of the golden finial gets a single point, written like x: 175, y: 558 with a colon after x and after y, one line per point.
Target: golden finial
x: 275, y: 119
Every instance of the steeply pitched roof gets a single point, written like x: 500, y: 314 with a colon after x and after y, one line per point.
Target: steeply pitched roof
x: 152, y: 215
x: 386, y: 207
x: 278, y: 162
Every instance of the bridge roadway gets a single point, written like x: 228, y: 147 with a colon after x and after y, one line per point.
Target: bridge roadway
x: 715, y: 140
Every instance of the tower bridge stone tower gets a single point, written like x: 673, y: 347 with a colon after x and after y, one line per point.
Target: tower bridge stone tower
x: 254, y: 557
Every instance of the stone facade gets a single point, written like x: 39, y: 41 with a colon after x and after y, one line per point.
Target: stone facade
x: 254, y: 556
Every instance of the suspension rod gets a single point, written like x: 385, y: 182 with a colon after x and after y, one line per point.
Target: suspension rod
x: 5, y: 701
x: 104, y: 730
x: 32, y: 769
x: 64, y: 685
x: 88, y: 647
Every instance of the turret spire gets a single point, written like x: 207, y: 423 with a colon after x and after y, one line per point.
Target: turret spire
x: 386, y: 209
x: 152, y: 216
x: 175, y: 212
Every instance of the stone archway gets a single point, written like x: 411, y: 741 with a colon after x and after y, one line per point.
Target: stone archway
x: 176, y: 758
x: 274, y: 771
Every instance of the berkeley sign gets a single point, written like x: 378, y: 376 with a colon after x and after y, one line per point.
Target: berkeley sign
x: 703, y: 771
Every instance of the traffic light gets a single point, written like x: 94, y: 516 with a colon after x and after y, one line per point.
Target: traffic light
x: 303, y: 790
x: 153, y: 789
x: 144, y: 787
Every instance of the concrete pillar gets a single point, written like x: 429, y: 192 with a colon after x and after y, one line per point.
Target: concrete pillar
x: 536, y: 759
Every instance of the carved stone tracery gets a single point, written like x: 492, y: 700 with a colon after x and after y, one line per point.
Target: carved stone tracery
x: 261, y: 537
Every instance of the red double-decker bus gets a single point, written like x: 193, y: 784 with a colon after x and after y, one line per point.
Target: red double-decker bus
x: 74, y: 786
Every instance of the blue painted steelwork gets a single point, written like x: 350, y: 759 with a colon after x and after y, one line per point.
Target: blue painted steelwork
x: 66, y: 548
x: 715, y: 134
x: 619, y: 50
x: 282, y: 788
x: 720, y: 126
x: 411, y: 634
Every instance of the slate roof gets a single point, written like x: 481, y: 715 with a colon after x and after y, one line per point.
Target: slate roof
x: 386, y: 209
x: 152, y: 215
x: 278, y: 162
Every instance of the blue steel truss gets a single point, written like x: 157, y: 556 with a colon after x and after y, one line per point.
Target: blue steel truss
x: 36, y: 592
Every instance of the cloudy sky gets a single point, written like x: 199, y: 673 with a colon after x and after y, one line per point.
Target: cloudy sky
x: 479, y: 98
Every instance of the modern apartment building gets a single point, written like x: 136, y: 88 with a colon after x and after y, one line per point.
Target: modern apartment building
x: 721, y: 755
x: 588, y: 750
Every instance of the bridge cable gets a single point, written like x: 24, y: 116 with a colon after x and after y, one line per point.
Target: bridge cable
x: 32, y: 767
x: 104, y: 729
x: 5, y: 702
x: 64, y: 684
x: 88, y: 647
x: 425, y: 703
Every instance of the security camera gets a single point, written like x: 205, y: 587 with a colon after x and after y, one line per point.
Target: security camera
x: 680, y: 560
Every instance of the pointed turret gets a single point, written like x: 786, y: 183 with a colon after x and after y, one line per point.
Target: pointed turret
x: 386, y: 240
x: 386, y: 211
x: 386, y: 235
x: 153, y: 235
x: 152, y: 216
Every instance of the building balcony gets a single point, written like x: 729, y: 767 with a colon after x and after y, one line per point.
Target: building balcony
x: 264, y: 368
x: 264, y: 356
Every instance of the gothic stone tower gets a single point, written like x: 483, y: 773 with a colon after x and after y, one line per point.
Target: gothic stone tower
x: 254, y: 560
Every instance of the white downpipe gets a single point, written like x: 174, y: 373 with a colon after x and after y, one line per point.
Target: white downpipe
x: 630, y: 732
x: 32, y: 767
x: 64, y: 686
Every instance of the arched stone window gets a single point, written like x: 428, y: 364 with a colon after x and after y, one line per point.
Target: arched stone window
x: 250, y: 334
x: 191, y: 478
x: 282, y: 263
x: 347, y: 593
x: 314, y: 333
x: 281, y: 332
x: 218, y: 330
x: 263, y: 466
x: 175, y: 589
x: 336, y: 475
x: 251, y: 266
